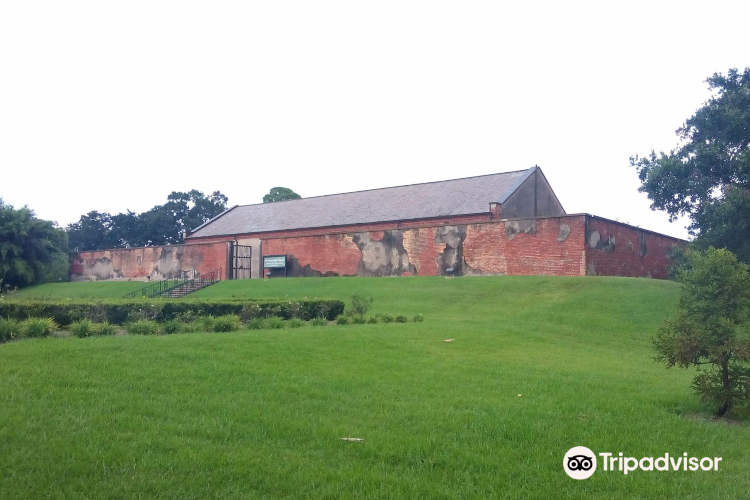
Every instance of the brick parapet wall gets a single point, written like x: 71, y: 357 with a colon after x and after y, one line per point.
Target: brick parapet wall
x: 617, y: 249
x: 547, y: 246
x: 155, y: 263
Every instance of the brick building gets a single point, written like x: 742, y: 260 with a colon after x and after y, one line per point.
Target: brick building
x: 507, y: 223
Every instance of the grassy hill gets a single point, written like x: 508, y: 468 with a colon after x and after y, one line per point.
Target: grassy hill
x: 538, y: 365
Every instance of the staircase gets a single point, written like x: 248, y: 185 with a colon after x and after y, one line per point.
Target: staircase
x: 174, y: 288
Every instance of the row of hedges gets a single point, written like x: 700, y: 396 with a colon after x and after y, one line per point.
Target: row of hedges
x: 119, y: 312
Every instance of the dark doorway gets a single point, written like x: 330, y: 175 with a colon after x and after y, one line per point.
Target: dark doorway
x: 242, y: 256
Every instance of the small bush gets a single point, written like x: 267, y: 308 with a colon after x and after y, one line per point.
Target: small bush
x: 276, y: 323
x: 9, y: 329
x: 418, y: 318
x: 295, y: 323
x: 387, y: 319
x: 143, y: 327
x: 227, y: 323
x: 206, y: 323
x: 372, y: 320
x: 255, y: 324
x: 172, y: 326
x: 342, y: 320
x: 295, y: 310
x: 360, y: 304
x: 38, y: 327
x: 401, y: 319
x: 249, y: 312
x: 104, y: 329
x: 82, y: 328
x: 359, y: 320
x: 318, y: 321
x: 191, y: 328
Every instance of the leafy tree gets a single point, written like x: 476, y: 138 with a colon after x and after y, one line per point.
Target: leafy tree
x: 31, y: 250
x: 710, y: 329
x: 280, y: 194
x: 162, y: 225
x: 707, y: 176
x: 93, y: 231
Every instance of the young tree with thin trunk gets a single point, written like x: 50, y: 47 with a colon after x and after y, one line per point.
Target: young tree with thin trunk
x: 711, y: 329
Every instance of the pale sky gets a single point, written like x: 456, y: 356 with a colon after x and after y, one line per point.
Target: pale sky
x: 112, y: 105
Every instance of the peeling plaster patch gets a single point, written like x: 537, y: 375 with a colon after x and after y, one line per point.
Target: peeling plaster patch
x: 594, y: 239
x: 452, y: 255
x: 515, y: 227
x: 642, y: 245
x: 591, y: 270
x: 564, y: 232
x: 100, y: 269
x: 295, y: 269
x: 596, y: 242
x: 169, y: 264
x: 386, y: 257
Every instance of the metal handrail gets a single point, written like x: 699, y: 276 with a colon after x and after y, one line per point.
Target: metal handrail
x: 160, y: 287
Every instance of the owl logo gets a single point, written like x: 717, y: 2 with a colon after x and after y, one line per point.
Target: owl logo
x: 580, y: 462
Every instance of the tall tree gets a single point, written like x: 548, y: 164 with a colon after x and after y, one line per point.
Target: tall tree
x: 707, y: 176
x: 31, y: 250
x: 280, y: 194
x: 162, y: 225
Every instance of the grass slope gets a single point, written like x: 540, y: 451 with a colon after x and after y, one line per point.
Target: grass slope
x: 259, y: 414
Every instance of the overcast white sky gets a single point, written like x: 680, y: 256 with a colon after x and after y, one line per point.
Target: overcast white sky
x: 112, y: 105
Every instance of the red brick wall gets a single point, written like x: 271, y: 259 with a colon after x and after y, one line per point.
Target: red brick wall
x: 552, y: 246
x: 539, y: 247
x: 155, y: 262
x: 335, y: 252
x: 616, y: 249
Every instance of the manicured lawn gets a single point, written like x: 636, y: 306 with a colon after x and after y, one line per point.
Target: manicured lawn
x: 80, y: 290
x: 259, y: 414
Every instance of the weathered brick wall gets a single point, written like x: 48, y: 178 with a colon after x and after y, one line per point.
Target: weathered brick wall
x: 156, y: 263
x: 552, y: 246
x: 616, y: 249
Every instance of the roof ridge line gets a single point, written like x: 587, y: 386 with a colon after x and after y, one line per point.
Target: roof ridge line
x: 388, y: 187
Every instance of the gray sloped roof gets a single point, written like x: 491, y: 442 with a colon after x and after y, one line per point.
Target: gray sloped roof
x: 470, y: 195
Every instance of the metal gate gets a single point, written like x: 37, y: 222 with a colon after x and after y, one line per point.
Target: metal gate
x: 242, y: 257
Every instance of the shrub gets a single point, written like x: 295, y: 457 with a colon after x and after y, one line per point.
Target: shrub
x: 418, y: 318
x: 143, y: 327
x: 401, y: 319
x: 82, y: 328
x: 295, y: 323
x: 119, y: 311
x: 249, y: 312
x: 104, y: 328
x: 359, y: 320
x: 227, y: 323
x: 360, y: 304
x: 38, y: 327
x: 276, y: 323
x: 295, y: 310
x: 9, y: 329
x: 172, y: 326
x: 318, y: 321
x: 372, y: 320
x: 342, y: 320
x: 255, y: 324
x: 387, y: 319
x: 206, y: 323
x: 191, y: 328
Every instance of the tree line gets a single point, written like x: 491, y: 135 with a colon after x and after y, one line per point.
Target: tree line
x: 35, y: 251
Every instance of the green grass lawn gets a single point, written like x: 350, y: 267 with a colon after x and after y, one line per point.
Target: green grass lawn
x: 80, y: 290
x: 259, y: 414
